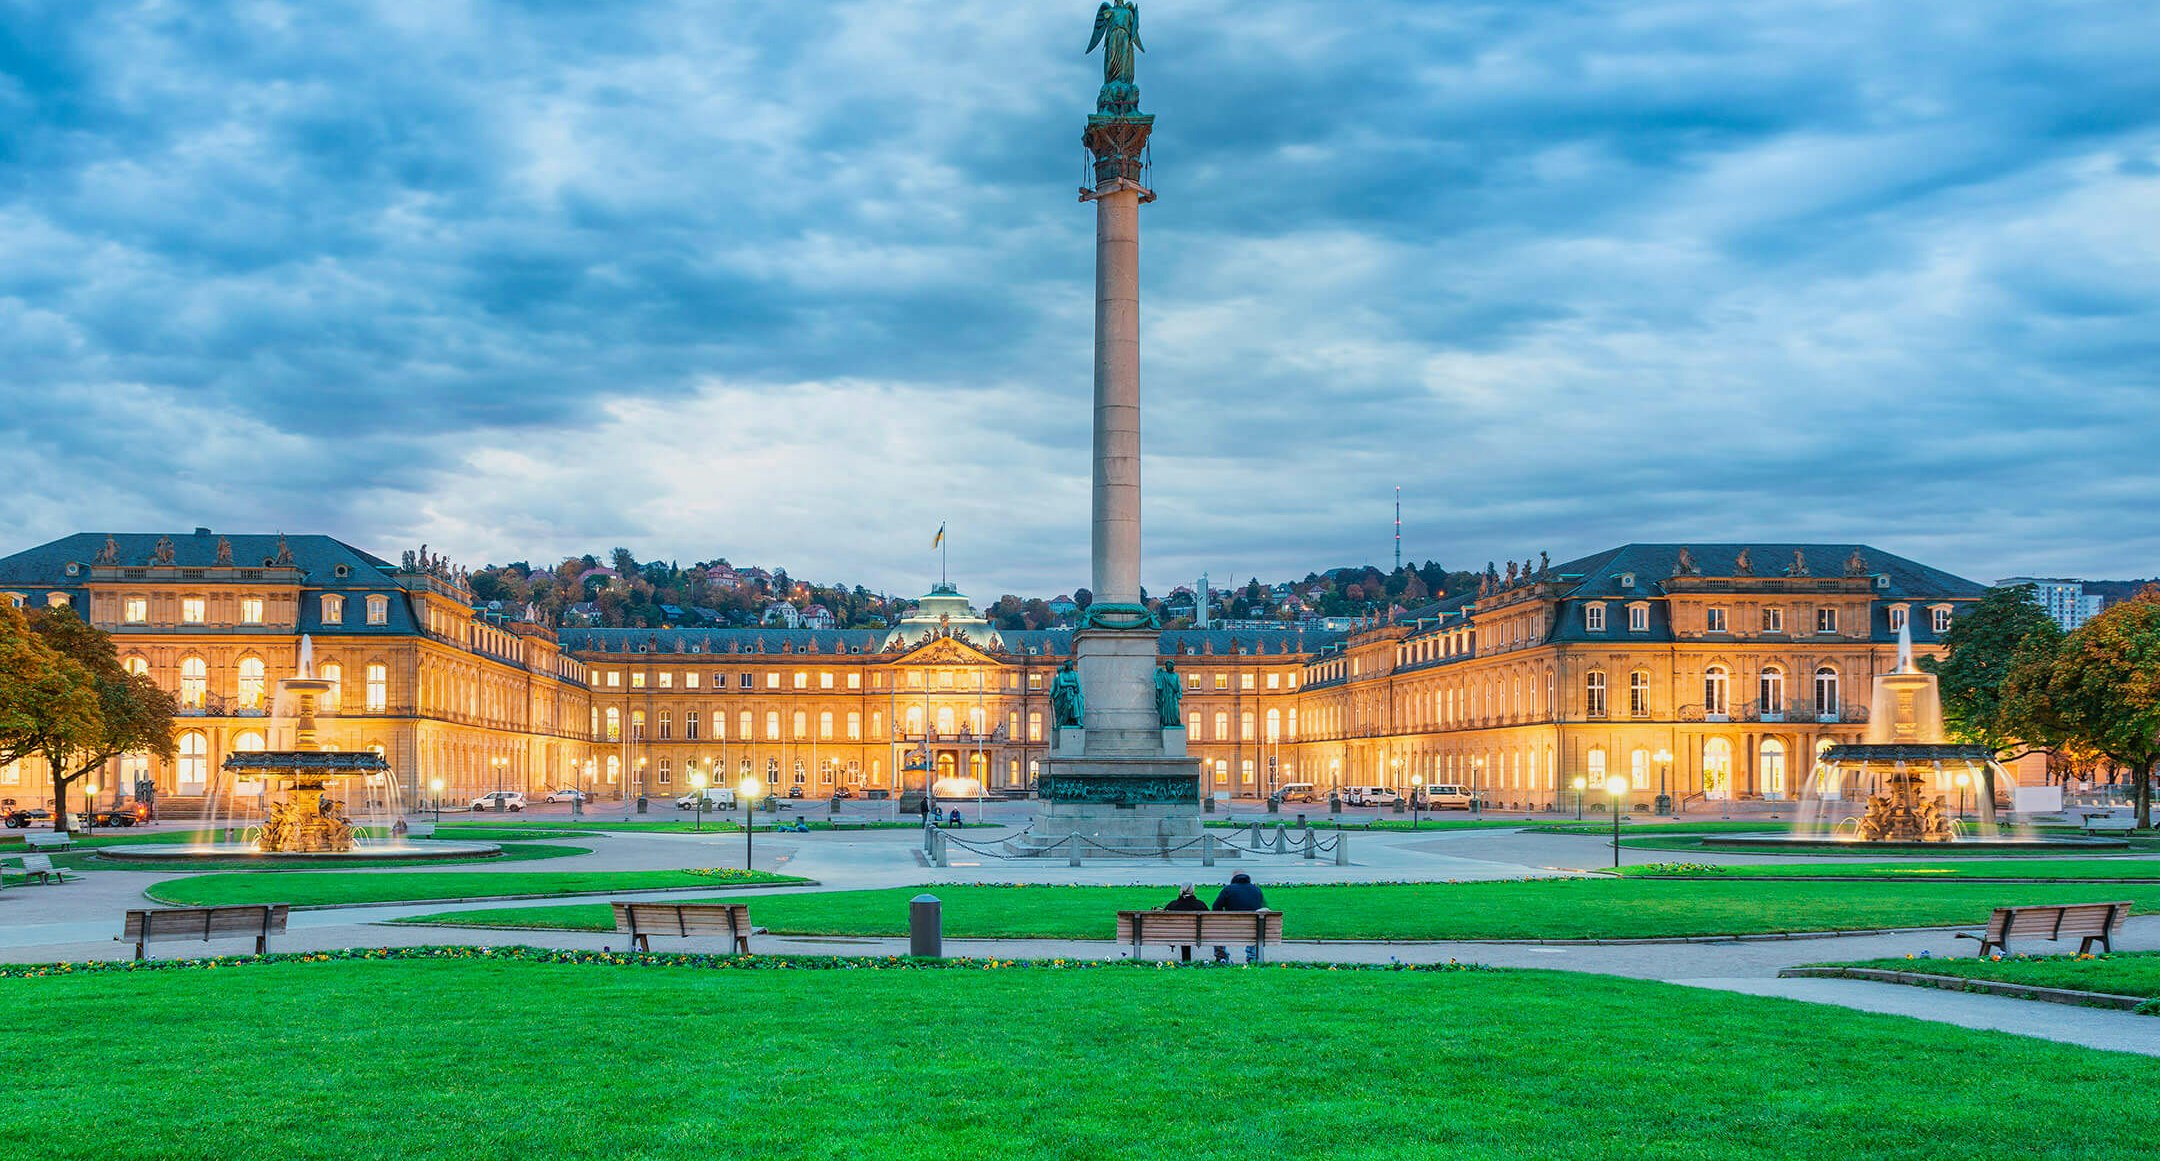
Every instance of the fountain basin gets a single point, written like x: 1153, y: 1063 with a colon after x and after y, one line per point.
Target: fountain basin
x: 2020, y: 842
x: 409, y: 850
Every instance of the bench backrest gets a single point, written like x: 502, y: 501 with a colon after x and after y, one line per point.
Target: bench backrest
x: 49, y: 840
x: 205, y: 922
x: 1198, y: 927
x: 37, y: 864
x: 682, y: 919
x: 2055, y: 922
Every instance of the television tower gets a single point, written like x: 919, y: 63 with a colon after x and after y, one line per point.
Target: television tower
x: 1398, y: 528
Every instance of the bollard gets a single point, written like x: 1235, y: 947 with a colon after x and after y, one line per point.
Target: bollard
x: 1282, y: 841
x: 1074, y: 849
x: 1207, y: 850
x: 1342, y: 850
x: 1312, y: 843
x: 1255, y: 836
x: 926, y: 927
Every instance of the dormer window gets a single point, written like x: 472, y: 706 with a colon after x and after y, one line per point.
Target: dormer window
x: 378, y: 610
x: 1900, y: 616
x: 333, y: 609
x: 1942, y: 615
x: 56, y: 600
x: 1638, y: 618
x: 1594, y: 618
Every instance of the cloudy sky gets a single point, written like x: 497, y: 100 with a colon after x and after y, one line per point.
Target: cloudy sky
x: 795, y: 282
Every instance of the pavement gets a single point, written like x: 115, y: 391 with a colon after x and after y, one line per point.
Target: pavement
x: 79, y: 920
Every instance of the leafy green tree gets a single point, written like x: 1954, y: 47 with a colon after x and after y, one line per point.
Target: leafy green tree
x: 2103, y: 690
x: 1982, y: 705
x: 108, y: 711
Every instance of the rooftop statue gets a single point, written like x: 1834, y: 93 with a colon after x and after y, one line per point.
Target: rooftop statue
x: 1117, y: 31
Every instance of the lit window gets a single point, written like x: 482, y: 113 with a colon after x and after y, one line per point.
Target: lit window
x: 378, y: 688
x: 854, y: 727
x: 1717, y: 692
x: 1245, y: 681
x: 1594, y: 618
x: 1274, y: 681
x: 690, y: 680
x: 854, y: 680
x: 251, y: 610
x: 824, y: 680
x: 194, y: 764
x: 637, y: 680
x: 1034, y: 727
x: 1826, y: 620
x: 378, y: 610
x: 56, y: 600
x: 136, y: 666
x: 191, y: 611
x: 614, y: 724
x: 743, y: 728
x: 135, y: 610
x: 1245, y: 726
x: 251, y: 683
x: 1222, y: 681
x: 333, y: 609
x: 824, y: 726
x: 1596, y: 764
x: 1222, y: 726
x: 772, y: 725
x: 1773, y: 619
x: 194, y: 682
x: 802, y: 680
x: 334, y: 675
x: 1639, y: 769
x: 772, y: 681
x: 1714, y: 620
x: 667, y: 725
x: 1034, y: 681
x: 667, y: 680
x: 614, y: 680
x: 1594, y: 695
x: 637, y: 725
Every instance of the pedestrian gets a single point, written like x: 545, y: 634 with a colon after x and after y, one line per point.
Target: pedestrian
x: 1241, y: 894
x: 1186, y: 901
x: 954, y: 819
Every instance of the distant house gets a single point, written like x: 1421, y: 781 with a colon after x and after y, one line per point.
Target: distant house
x: 753, y: 576
x: 817, y: 617
x: 721, y: 576
x: 783, y: 614
x: 1063, y: 606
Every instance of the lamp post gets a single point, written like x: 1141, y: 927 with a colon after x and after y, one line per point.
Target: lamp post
x: 1581, y: 784
x: 1616, y: 786
x: 1664, y: 800
x: 90, y: 793
x: 436, y: 786
x: 1477, y: 783
x: 697, y: 786
x: 500, y: 764
x: 1417, y: 796
x: 750, y: 789
x: 1963, y: 780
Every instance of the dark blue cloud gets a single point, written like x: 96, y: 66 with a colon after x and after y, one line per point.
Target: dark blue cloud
x: 786, y: 281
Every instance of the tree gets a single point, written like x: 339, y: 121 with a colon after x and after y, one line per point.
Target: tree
x: 2103, y: 690
x: 36, y: 688
x: 1082, y: 598
x: 1982, y: 703
x: 108, y: 711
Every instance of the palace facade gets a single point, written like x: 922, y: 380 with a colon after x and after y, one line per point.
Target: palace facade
x: 1706, y: 673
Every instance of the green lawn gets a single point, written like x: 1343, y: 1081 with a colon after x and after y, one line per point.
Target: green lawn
x: 1430, y: 822
x: 320, y: 888
x: 2024, y: 868
x: 1644, y: 840
x: 1631, y: 828
x: 1546, y: 909
x: 2127, y: 973
x: 688, y: 825
x: 511, y: 853
x: 357, y: 1059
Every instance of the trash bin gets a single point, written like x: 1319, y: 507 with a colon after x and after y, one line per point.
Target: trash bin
x: 1400, y: 806
x: 641, y: 804
x: 1273, y: 807
x: 1207, y: 804
x: 926, y: 927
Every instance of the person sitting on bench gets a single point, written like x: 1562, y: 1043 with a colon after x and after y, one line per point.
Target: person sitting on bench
x: 1242, y: 894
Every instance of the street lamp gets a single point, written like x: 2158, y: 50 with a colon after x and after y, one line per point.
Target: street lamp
x: 436, y: 786
x: 697, y: 786
x: 1581, y: 784
x: 750, y: 789
x: 1616, y: 786
x: 1963, y: 780
x: 1417, y: 796
x: 1477, y: 783
x: 500, y: 765
x: 1664, y: 800
x: 90, y: 793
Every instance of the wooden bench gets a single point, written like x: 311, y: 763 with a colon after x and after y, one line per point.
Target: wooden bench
x: 642, y: 921
x: 50, y: 840
x: 1254, y: 929
x: 2090, y: 923
x: 41, y: 866
x: 164, y: 925
x: 2108, y: 824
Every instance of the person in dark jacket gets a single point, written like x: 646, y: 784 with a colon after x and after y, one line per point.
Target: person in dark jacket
x: 1241, y: 894
x: 1186, y: 901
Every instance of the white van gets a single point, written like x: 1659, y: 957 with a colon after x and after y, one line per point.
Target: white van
x: 715, y: 798
x: 1445, y: 797
x: 1370, y: 796
x: 1296, y: 792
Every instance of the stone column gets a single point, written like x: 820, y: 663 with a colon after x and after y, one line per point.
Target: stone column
x: 1117, y: 394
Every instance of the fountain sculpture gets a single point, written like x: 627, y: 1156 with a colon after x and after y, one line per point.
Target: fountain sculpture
x: 1906, y: 757
x: 309, y: 819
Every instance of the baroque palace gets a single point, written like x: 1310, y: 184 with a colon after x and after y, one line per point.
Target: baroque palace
x: 1706, y: 672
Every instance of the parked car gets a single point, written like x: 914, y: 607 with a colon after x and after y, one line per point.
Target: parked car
x: 567, y: 794
x: 511, y: 801
x: 713, y: 797
x: 846, y: 792
x: 794, y: 792
x: 1442, y: 796
x: 1370, y: 796
x: 1296, y: 792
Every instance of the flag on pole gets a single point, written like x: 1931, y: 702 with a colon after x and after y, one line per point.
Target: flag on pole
x: 939, y: 538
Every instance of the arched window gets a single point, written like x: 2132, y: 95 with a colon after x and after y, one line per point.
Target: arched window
x: 1595, y: 764
x: 1639, y: 769
x: 824, y: 726
x: 1274, y: 726
x: 1222, y: 726
x: 915, y: 719
x: 1773, y: 769
x: 1594, y: 695
x: 378, y: 688
x: 248, y: 742
x: 1826, y: 693
x: 1638, y: 693
x: 945, y: 722
x: 1717, y: 691
x: 137, y: 666
x: 333, y: 697
x: 801, y: 722
x: 978, y: 723
x: 193, y: 766
x: 772, y: 725
x: 637, y: 725
x: 614, y: 769
x: 194, y: 682
x: 1717, y: 768
x: 251, y: 683
x: 1771, y: 690
x: 614, y: 726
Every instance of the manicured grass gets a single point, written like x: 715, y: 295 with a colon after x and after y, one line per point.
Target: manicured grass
x: 320, y: 888
x: 2129, y: 973
x: 1429, y: 822
x: 1544, y: 909
x: 1637, y: 827
x: 511, y: 853
x: 2024, y: 868
x: 492, y: 834
x: 309, y: 1060
x: 713, y: 825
